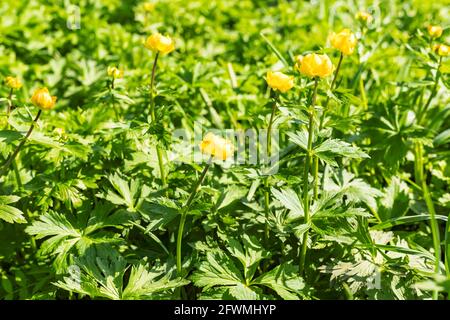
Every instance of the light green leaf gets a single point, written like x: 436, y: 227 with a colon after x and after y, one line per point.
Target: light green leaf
x: 9, y: 213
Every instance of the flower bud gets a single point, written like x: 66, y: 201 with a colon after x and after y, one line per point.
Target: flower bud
x: 13, y: 82
x: 279, y: 81
x: 314, y: 65
x: 42, y: 99
x: 115, y: 72
x: 344, y: 41
x: 149, y: 6
x: 159, y: 43
x: 216, y: 146
x: 434, y: 31
x: 441, y: 49
x: 364, y: 17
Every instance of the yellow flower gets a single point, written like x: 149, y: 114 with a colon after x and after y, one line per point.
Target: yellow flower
x: 149, y: 6
x: 13, y: 82
x: 115, y: 72
x: 434, y: 31
x: 344, y: 41
x: 314, y: 65
x: 159, y: 43
x: 216, y: 146
x: 441, y: 49
x: 279, y: 81
x: 42, y: 99
x: 364, y: 17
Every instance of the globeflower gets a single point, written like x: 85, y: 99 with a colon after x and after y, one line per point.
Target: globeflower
x: 42, y: 99
x: 314, y: 65
x: 115, y: 72
x: 441, y: 49
x: 344, y: 41
x: 434, y: 31
x: 279, y: 81
x: 159, y: 43
x: 364, y: 17
x: 13, y: 82
x: 149, y: 6
x: 216, y: 146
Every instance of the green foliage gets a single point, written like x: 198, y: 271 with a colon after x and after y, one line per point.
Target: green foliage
x: 84, y: 211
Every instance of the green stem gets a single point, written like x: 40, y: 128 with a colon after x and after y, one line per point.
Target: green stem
x: 305, y: 177
x: 116, y: 112
x: 322, y: 119
x: 153, y: 118
x: 418, y: 163
x: 16, y: 151
x: 266, y: 179
x: 333, y: 82
x: 423, y: 110
x: 17, y: 174
x: 185, y: 211
x: 10, y: 103
x: 435, y: 232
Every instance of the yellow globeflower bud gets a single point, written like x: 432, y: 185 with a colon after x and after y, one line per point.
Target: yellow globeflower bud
x: 149, y: 6
x: 216, y: 146
x: 434, y: 31
x: 344, y: 41
x: 13, y: 82
x: 42, y: 99
x: 314, y: 65
x: 159, y: 43
x: 279, y: 81
x: 364, y: 17
x: 115, y: 72
x: 441, y: 49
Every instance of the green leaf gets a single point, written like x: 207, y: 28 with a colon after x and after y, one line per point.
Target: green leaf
x: 290, y: 200
x: 335, y: 147
x: 395, y: 201
x: 275, y: 50
x: 242, y: 292
x: 442, y: 138
x: 284, y: 280
x: 249, y: 255
x: 145, y: 282
x: 229, y: 196
x: 300, y: 138
x: 9, y: 213
x: 66, y: 232
x: 98, y: 273
x: 356, y: 190
x: 405, y: 220
x: 217, y: 270
x: 447, y: 246
x: 130, y: 194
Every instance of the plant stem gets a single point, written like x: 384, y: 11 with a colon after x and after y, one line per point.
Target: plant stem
x: 418, y: 163
x: 185, y: 211
x: 14, y: 164
x: 153, y: 118
x: 422, y: 111
x: 434, y: 231
x: 116, y: 112
x: 266, y: 179
x: 305, y: 177
x: 10, y: 103
x: 322, y: 119
x: 16, y: 151
x: 333, y: 82
x: 152, y: 84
